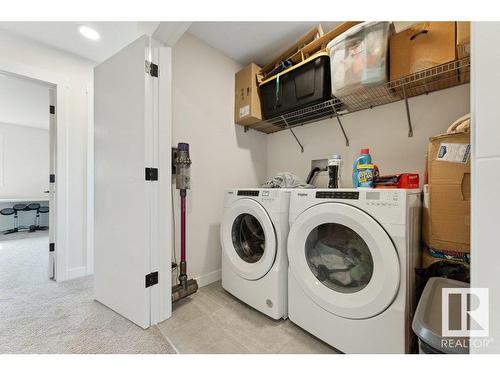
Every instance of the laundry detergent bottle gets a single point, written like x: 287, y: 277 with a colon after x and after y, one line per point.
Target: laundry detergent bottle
x: 365, y: 161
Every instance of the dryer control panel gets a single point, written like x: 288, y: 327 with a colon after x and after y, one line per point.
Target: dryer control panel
x: 248, y: 193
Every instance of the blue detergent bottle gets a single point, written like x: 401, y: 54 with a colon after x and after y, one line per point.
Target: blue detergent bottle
x: 364, y: 158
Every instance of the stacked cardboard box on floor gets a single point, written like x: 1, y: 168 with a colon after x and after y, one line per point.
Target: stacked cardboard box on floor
x: 446, y: 216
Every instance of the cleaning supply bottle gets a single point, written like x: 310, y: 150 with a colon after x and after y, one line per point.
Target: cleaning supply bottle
x: 334, y: 171
x: 362, y: 170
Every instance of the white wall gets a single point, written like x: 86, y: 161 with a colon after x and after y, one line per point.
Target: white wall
x: 223, y: 155
x: 23, y: 102
x: 383, y: 130
x: 486, y: 172
x: 24, y: 161
x: 77, y: 73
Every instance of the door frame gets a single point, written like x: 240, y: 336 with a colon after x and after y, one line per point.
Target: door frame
x: 60, y: 85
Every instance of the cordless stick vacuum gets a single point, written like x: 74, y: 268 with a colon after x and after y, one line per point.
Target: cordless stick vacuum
x: 182, y: 181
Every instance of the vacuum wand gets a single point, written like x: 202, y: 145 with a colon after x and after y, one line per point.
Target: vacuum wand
x: 183, y: 162
x: 183, y: 268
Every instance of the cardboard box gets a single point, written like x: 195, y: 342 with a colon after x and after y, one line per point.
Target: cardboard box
x: 247, y: 109
x: 463, y: 39
x: 422, y: 46
x: 446, y: 216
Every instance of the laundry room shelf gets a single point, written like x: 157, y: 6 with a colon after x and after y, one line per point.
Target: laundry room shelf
x: 426, y: 81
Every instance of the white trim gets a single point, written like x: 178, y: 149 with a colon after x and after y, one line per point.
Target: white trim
x: 61, y: 85
x: 164, y: 184
x: 90, y: 179
x: 208, y: 278
x: 74, y: 273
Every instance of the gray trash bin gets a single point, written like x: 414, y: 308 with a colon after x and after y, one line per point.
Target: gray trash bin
x: 427, y: 321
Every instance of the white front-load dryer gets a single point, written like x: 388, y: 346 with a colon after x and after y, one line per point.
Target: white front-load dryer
x: 352, y: 253
x: 254, y: 233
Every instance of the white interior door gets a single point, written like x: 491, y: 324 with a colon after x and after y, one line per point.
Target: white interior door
x: 52, y: 182
x: 129, y: 208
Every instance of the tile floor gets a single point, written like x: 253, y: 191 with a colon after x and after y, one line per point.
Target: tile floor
x: 213, y: 321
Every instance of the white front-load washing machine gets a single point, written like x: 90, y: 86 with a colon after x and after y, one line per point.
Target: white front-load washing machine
x: 352, y: 255
x: 254, y: 233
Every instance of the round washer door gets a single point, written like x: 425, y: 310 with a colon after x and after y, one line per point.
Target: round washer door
x: 248, y: 239
x: 344, y: 260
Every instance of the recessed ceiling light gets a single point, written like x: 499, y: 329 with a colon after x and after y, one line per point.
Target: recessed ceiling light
x: 88, y: 32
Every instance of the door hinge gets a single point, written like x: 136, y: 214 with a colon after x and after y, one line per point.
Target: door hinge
x: 151, y: 279
x: 151, y: 174
x: 52, y: 178
x: 151, y: 69
x: 52, y: 109
x: 52, y: 247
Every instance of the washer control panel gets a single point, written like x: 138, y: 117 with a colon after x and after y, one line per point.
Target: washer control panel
x: 337, y: 194
x: 384, y: 198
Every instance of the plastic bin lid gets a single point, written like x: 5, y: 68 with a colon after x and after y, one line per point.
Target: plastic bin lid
x: 427, y: 322
x: 352, y: 31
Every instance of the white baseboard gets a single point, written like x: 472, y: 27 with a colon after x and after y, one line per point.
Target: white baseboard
x: 74, y: 273
x: 208, y: 278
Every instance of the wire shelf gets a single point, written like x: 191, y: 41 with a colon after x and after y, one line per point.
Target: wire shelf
x: 426, y: 81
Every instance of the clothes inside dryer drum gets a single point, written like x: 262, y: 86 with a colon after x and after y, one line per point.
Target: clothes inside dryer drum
x: 339, y: 258
x: 248, y: 238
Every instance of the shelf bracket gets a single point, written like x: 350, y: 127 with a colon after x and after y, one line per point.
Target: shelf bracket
x: 343, y: 131
x: 410, y: 128
x: 289, y: 128
x: 340, y: 124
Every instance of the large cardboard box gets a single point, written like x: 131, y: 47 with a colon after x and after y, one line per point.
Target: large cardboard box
x: 247, y: 109
x: 446, y: 218
x: 421, y: 47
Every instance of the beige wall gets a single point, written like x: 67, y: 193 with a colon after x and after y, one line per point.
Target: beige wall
x: 383, y: 129
x: 223, y: 155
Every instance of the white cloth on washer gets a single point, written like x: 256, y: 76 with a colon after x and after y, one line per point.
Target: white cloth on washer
x: 286, y: 180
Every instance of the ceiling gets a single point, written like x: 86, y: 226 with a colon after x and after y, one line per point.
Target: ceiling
x: 248, y: 42
x: 65, y: 36
x: 23, y: 102
x: 244, y: 42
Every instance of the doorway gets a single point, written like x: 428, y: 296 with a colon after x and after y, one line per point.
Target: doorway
x: 28, y: 131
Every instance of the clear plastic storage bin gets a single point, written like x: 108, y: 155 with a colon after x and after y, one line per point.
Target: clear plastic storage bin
x: 359, y: 57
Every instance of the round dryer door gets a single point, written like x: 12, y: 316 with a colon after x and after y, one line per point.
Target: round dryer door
x: 248, y: 239
x: 344, y: 260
